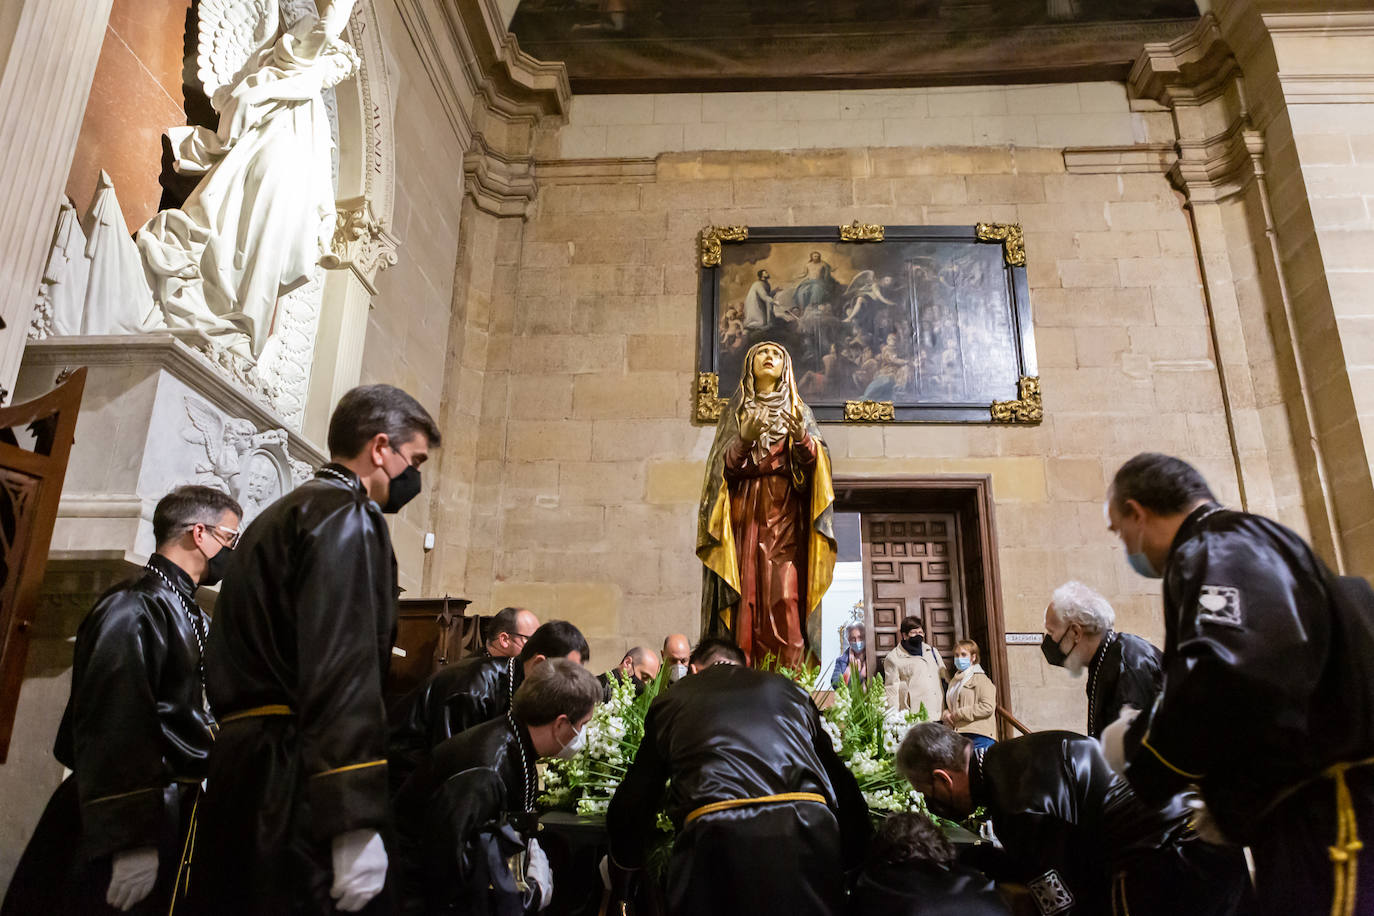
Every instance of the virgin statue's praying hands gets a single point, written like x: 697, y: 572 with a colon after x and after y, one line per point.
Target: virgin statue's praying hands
x: 764, y: 527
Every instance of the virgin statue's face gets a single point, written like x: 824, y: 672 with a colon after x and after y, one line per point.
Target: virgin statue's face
x: 767, y: 364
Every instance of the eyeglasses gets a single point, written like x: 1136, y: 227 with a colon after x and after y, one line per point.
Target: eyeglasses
x: 230, y: 536
x: 522, y: 637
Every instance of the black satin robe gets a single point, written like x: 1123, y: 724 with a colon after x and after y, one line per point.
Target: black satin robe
x: 1262, y: 692
x: 924, y: 889
x: 136, y: 735
x: 1074, y: 832
x: 461, y: 815
x: 731, y: 733
x: 305, y: 622
x: 454, y: 699
x: 1125, y: 671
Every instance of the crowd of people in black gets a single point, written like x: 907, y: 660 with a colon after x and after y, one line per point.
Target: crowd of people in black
x: 249, y: 765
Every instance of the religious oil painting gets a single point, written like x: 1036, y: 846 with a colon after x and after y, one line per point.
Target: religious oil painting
x: 933, y: 320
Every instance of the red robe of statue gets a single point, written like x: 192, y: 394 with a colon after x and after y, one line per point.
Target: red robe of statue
x: 770, y: 514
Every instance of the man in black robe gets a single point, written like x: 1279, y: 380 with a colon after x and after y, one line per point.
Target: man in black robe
x: 1071, y: 829
x: 505, y: 634
x: 468, y: 812
x: 639, y: 666
x: 1123, y: 669
x: 1268, y: 701
x: 473, y: 691
x: 297, y: 657
x: 768, y: 818
x: 136, y: 732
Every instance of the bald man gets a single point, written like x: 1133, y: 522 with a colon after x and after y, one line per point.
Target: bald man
x: 676, y: 651
x: 508, y: 631
x: 640, y: 665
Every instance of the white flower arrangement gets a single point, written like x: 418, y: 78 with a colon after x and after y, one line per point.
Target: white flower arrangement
x: 863, y: 730
x: 866, y: 734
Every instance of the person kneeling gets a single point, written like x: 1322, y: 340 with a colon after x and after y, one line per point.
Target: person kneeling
x: 912, y: 869
x: 466, y: 816
x: 1071, y: 829
x: 768, y: 819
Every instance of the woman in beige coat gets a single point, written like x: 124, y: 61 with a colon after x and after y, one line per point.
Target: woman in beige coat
x: 914, y: 673
x: 971, y: 698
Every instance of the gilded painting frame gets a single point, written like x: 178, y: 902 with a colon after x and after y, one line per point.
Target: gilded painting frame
x: 885, y: 324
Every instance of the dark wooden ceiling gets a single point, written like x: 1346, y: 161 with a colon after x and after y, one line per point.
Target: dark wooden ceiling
x: 724, y: 45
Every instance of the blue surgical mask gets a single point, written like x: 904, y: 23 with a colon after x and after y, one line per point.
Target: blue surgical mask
x: 963, y: 662
x: 1141, y: 563
x: 858, y: 645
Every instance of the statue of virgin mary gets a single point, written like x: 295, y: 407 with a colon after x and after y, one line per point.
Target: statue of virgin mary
x: 765, y: 532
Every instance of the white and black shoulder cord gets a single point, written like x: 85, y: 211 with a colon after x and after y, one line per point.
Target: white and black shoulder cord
x: 195, y: 615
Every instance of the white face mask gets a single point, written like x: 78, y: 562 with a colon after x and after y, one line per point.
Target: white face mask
x: 574, y: 747
x: 677, y: 674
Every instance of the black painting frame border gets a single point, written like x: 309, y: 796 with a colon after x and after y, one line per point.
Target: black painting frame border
x: 1018, y: 289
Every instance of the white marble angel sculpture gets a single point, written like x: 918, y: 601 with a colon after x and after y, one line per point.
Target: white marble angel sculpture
x: 259, y: 221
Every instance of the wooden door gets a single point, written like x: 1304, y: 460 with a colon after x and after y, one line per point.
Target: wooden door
x: 912, y: 568
x: 35, y: 442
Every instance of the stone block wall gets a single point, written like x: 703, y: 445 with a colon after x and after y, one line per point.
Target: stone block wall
x: 589, y: 469
x: 408, y: 325
x: 136, y: 94
x: 1067, y: 114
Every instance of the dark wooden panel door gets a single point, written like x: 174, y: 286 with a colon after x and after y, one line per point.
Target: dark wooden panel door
x: 912, y: 568
x: 35, y: 442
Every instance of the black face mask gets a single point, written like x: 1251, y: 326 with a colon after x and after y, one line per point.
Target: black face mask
x: 913, y: 644
x: 1049, y: 647
x: 405, y: 486
x: 215, y: 567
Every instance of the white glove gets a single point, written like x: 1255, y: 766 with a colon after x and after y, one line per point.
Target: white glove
x: 132, y: 876
x: 1114, y: 738
x: 359, y: 869
x: 537, y: 871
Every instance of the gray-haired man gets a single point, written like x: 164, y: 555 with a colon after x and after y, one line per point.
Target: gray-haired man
x: 1123, y: 669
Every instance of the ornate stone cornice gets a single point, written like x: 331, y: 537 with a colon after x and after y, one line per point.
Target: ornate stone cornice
x: 1119, y: 160
x: 186, y: 354
x: 598, y: 171
x: 498, y: 184
x: 1197, y: 77
x: 514, y: 83
x: 1195, y: 66
x: 1353, y: 23
x: 1214, y: 168
x: 362, y: 242
x: 470, y: 55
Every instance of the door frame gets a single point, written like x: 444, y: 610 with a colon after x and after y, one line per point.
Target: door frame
x: 969, y: 497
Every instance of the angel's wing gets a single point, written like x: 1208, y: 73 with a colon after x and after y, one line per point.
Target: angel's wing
x: 209, y: 426
x: 863, y: 282
x: 231, y: 33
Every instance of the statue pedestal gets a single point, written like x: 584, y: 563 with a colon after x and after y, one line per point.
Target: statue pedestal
x: 157, y: 413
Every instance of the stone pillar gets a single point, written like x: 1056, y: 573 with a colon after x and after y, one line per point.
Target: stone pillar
x: 1280, y: 375
x: 500, y: 188
x: 43, y: 91
x: 1308, y: 75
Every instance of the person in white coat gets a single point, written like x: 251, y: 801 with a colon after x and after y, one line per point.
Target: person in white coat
x: 914, y: 673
